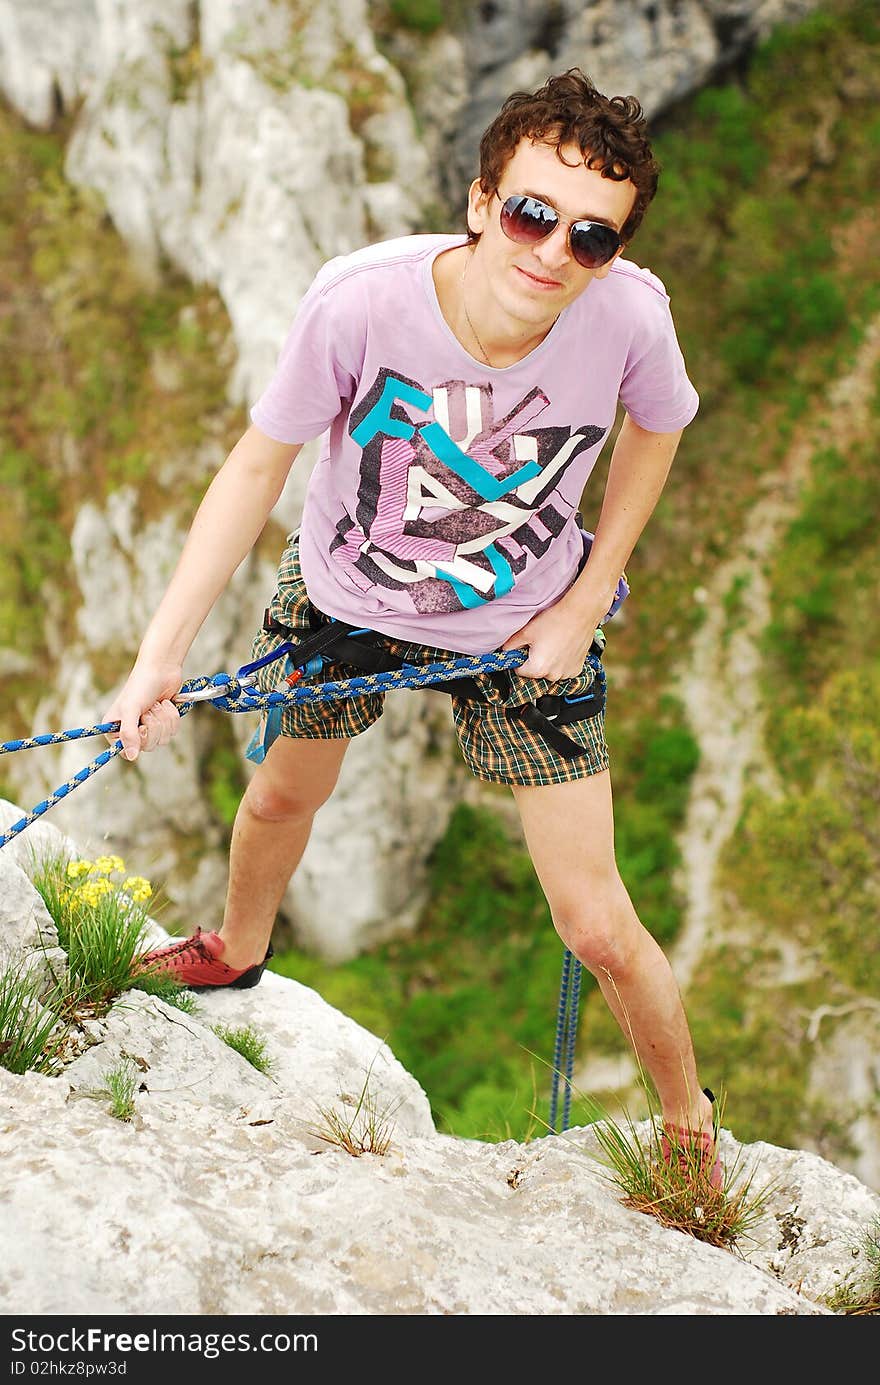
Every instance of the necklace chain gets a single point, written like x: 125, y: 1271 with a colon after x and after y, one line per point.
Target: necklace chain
x: 470, y: 324
x: 475, y: 333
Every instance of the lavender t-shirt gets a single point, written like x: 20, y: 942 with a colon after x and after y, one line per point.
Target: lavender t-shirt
x: 442, y: 508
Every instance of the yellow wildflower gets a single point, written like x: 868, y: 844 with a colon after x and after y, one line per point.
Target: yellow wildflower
x: 91, y: 891
x: 137, y: 888
x: 106, y: 865
x: 76, y: 869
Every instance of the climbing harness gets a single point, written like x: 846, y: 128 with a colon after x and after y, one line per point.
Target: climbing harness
x: 333, y: 641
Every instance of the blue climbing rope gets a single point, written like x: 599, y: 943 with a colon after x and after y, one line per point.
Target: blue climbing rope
x: 561, y: 1036
x: 574, y: 1001
x: 566, y: 1035
x: 237, y: 694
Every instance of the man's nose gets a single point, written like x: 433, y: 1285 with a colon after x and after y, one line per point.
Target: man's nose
x: 554, y: 251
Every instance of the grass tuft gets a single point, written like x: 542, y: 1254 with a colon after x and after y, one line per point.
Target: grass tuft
x: 862, y: 1299
x: 119, y: 1086
x: 29, y: 1021
x: 367, y: 1129
x: 677, y: 1192
x: 168, y: 989
x: 100, y: 914
x: 673, y: 1184
x: 251, y: 1045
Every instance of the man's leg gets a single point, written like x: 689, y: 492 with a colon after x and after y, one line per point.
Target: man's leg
x: 269, y: 836
x: 569, y: 832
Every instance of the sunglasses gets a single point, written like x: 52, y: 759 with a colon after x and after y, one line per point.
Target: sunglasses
x: 527, y: 221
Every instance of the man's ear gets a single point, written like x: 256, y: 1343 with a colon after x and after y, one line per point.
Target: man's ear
x: 477, y: 207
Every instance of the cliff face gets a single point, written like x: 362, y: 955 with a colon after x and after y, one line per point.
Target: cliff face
x: 242, y: 145
x: 219, y: 1188
x: 659, y: 50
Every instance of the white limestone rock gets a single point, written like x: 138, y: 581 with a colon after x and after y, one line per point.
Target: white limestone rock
x: 222, y: 136
x: 232, y: 1211
x: 48, y: 55
x: 224, y: 1195
x: 40, y: 841
x: 24, y: 919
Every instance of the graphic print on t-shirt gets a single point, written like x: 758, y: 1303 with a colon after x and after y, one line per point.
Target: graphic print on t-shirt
x: 453, y: 505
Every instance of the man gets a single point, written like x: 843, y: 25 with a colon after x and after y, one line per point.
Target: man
x: 465, y: 386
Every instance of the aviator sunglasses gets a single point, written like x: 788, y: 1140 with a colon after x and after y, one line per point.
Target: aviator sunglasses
x: 527, y: 221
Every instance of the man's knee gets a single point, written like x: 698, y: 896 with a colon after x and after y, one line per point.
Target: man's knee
x: 599, y: 928
x: 273, y: 799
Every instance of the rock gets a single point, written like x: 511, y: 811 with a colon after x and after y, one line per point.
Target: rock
x: 660, y: 52
x: 26, y: 921
x: 230, y: 1216
x: 227, y: 1192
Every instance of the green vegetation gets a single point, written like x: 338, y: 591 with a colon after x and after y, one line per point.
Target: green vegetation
x: 166, y: 989
x: 824, y: 600
x: 245, y: 1040
x: 119, y: 1086
x: 423, y: 16
x: 818, y: 843
x: 102, y: 924
x: 30, y: 1017
x: 806, y: 860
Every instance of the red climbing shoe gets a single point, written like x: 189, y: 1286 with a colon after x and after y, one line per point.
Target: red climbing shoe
x: 694, y: 1151
x: 195, y: 963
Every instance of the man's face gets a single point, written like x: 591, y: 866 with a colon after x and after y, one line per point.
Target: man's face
x: 533, y: 283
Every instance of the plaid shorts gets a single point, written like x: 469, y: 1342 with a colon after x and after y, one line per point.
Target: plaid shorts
x: 496, y: 748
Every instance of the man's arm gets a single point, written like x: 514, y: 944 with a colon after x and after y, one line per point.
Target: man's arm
x: 226, y: 526
x: 559, y: 638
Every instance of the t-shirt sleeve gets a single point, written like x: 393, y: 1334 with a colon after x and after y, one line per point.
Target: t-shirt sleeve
x: 655, y: 390
x: 317, y: 370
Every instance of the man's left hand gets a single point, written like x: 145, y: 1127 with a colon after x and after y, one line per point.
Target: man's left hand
x: 558, y: 643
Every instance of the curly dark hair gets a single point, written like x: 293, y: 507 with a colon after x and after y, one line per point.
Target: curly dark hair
x: 610, y: 131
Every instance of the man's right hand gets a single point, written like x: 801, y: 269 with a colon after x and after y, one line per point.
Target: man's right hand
x: 147, y: 716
